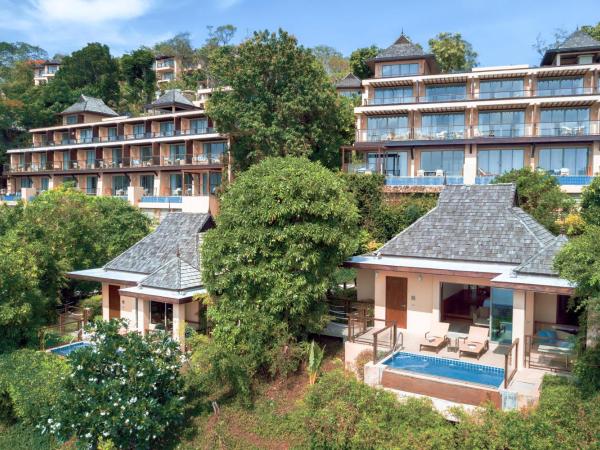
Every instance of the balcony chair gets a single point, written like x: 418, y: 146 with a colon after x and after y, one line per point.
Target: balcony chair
x: 476, y: 343
x: 564, y: 172
x: 436, y: 338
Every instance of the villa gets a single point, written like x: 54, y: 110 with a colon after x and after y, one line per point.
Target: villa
x: 155, y: 283
x: 470, y: 287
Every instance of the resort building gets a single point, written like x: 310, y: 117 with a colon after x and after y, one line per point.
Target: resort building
x: 464, y: 305
x: 349, y: 86
x: 155, y: 283
x: 169, y: 158
x: 169, y: 68
x: 44, y: 71
x: 423, y: 129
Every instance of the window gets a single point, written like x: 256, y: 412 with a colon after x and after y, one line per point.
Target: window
x: 500, y: 88
x: 560, y: 86
x: 117, y: 156
x: 585, y: 59
x: 85, y: 135
x: 161, y: 315
x: 71, y: 119
x: 147, y: 183
x: 65, y: 137
x: 444, y: 93
x: 497, y: 162
x: 120, y: 183
x: 399, y: 70
x: 215, y: 181
x: 26, y: 182
x: 501, y: 315
x: 90, y: 158
x: 387, y: 128
x: 146, y: 154
x: 166, y: 128
x: 450, y: 161
x: 45, y: 184
x: 43, y: 161
x: 91, y: 185
x: 112, y: 134
x: 176, y: 153
x: 66, y: 160
x: 393, y: 95
x: 443, y: 126
x: 198, y: 126
x: 139, y: 130
x: 574, y: 159
x: 501, y: 123
x: 52, y: 69
x: 176, y: 184
x: 564, y: 122
x: 392, y: 163
x: 214, y: 151
x: 168, y: 76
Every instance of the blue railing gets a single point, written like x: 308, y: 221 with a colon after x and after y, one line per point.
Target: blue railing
x: 391, y: 180
x: 165, y: 199
x: 485, y: 179
x: 11, y: 197
x: 573, y: 180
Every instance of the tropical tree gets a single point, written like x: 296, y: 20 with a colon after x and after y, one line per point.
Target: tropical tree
x: 138, y: 74
x: 13, y: 52
x: 452, y: 52
x: 277, y: 101
x: 127, y: 388
x: 284, y: 227
x: 539, y: 194
x: 359, y: 58
x: 334, y: 63
x: 592, y: 30
x: 179, y: 46
x: 590, y: 202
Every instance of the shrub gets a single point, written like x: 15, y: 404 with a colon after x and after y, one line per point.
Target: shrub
x: 94, y: 303
x: 30, y: 383
x: 126, y: 389
x: 361, y: 360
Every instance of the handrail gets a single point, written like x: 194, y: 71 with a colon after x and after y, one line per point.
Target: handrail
x: 393, y: 341
x: 508, y: 358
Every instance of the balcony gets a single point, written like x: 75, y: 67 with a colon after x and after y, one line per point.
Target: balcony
x: 440, y: 132
x: 442, y: 180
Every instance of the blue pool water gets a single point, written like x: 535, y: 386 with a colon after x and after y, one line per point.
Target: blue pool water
x: 447, y: 368
x: 66, y: 350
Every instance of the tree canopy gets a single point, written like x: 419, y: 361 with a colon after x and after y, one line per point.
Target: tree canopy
x: 452, y: 52
x: 280, y: 102
x: 334, y: 63
x: 137, y: 72
x: 359, y: 58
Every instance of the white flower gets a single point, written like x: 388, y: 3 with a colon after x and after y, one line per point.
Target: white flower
x: 88, y: 435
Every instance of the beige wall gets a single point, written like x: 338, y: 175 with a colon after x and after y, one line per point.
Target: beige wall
x: 545, y: 307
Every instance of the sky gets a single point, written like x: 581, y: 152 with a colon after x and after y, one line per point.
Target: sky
x: 501, y: 31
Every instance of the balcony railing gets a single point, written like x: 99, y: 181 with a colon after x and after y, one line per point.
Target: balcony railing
x: 124, y: 137
x: 119, y: 163
x: 391, y: 100
x: 391, y: 180
x: 539, y: 129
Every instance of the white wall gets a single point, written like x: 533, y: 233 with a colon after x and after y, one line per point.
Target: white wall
x: 365, y: 284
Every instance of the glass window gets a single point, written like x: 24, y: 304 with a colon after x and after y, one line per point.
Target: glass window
x: 214, y: 151
x: 443, y: 126
x: 26, y: 182
x: 392, y: 163
x: 564, y: 122
x: 71, y: 119
x: 85, y: 135
x: 43, y: 160
x: 215, y: 181
x: 386, y: 96
x: 146, y: 154
x: 560, y: 86
x: 66, y: 160
x: 442, y: 93
x: 450, y: 161
x: 177, y: 152
x: 167, y: 128
x: 139, y: 130
x: 575, y: 159
x: 112, y: 133
x: 161, y: 315
x: 502, y: 315
x: 91, y: 184
x: 120, y: 183
x: 502, y: 123
x: 176, y: 184
x: 387, y: 127
x: 117, y: 156
x: 497, y: 162
x: 90, y: 158
x: 45, y: 184
x: 399, y: 70
x: 198, y: 126
x: 147, y: 183
x: 501, y: 88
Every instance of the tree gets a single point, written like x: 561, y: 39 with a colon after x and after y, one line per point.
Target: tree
x: 452, y: 52
x: 127, y: 388
x: 92, y: 71
x: 334, y: 63
x: 539, y: 194
x: 13, y: 52
x: 541, y: 45
x: 221, y: 35
x: 179, y: 46
x: 284, y: 227
x: 590, y: 202
x: 592, y: 30
x: 280, y: 103
x: 137, y: 70
x: 359, y: 58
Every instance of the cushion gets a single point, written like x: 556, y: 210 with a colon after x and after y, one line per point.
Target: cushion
x: 546, y: 336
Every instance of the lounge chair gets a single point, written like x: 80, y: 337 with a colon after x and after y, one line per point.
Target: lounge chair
x: 436, y: 338
x: 476, y: 343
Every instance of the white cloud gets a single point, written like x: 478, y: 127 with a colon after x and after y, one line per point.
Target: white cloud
x: 226, y: 4
x: 89, y: 11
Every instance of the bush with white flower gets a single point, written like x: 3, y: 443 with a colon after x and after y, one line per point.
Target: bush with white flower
x: 126, y: 389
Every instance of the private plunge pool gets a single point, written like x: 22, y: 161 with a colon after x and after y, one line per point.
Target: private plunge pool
x: 66, y: 350
x: 447, y: 368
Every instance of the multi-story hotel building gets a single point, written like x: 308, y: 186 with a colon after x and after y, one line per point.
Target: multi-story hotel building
x: 44, y: 71
x: 169, y: 158
x: 423, y: 129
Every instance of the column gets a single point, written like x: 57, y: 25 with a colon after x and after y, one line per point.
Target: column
x: 379, y: 296
x: 143, y: 315
x: 179, y: 323
x: 105, y: 302
x: 518, y: 325
x: 470, y: 166
x: 436, y: 301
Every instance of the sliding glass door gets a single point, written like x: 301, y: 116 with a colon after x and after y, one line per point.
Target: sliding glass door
x: 502, y: 315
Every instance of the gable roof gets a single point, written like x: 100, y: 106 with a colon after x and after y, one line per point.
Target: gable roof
x: 577, y: 41
x: 90, y: 105
x: 172, y: 97
x: 176, y: 274
x: 349, y: 81
x: 402, y: 47
x: 474, y: 223
x: 177, y: 235
x: 542, y: 262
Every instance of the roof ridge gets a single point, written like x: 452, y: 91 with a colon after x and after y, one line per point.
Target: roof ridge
x: 512, y: 211
x: 410, y: 226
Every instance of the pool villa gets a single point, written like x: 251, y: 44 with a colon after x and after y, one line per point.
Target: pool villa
x: 464, y: 306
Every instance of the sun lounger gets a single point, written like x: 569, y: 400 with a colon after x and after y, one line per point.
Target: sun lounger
x: 436, y: 338
x: 476, y: 343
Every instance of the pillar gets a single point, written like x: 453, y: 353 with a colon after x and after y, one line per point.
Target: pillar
x: 379, y: 296
x: 134, y: 194
x: 105, y: 303
x: 470, y: 167
x: 518, y: 325
x: 436, y: 301
x: 179, y: 323
x: 143, y: 315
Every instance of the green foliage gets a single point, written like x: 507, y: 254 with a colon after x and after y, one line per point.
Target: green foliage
x: 281, y: 102
x: 93, y: 71
x: 334, y: 63
x: 590, y: 202
x: 13, y: 52
x: 94, y: 303
x: 31, y: 380
x: 25, y: 437
x: 179, y: 46
x: 127, y: 388
x: 315, y: 359
x: 587, y: 369
x: 592, y: 30
x: 359, y: 58
x: 137, y: 70
x: 284, y: 227
x: 342, y: 412
x: 539, y: 194
x: 452, y: 52
x: 391, y: 218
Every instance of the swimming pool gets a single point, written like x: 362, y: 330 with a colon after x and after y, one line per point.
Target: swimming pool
x: 66, y: 350
x: 447, y: 368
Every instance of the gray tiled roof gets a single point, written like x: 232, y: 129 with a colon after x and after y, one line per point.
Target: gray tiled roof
x: 174, y: 275
x: 91, y: 105
x: 542, y: 262
x: 177, y: 234
x: 349, y: 81
x: 170, y: 98
x: 401, y: 48
x: 579, y: 39
x: 473, y: 223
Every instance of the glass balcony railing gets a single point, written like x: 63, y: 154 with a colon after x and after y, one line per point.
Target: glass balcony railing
x: 441, y: 132
x: 384, y: 134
